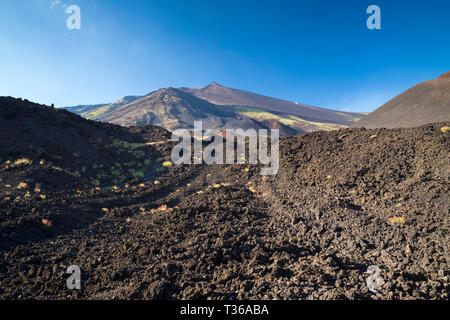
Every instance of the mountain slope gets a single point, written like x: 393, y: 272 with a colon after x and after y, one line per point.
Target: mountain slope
x: 108, y: 108
x: 172, y: 109
x: 84, y: 108
x: 92, y: 111
x: 219, y: 94
x: 424, y: 103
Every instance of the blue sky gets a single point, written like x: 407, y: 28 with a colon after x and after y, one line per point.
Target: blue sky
x: 314, y: 51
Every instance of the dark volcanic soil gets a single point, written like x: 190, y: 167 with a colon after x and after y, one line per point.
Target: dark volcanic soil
x: 342, y: 201
x: 52, y: 149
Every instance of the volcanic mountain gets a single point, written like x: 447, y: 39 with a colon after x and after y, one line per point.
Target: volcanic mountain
x: 172, y: 109
x: 218, y: 107
x: 424, y: 103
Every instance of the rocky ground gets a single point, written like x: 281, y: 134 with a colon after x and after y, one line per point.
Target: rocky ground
x: 341, y: 201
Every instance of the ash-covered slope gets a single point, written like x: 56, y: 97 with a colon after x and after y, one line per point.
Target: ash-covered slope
x: 219, y: 94
x: 426, y: 102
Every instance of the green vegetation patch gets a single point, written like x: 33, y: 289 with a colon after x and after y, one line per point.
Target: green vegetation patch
x: 97, y: 112
x: 287, y: 120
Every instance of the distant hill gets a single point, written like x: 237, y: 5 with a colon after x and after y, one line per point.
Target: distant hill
x: 424, y: 103
x: 218, y: 107
x: 91, y: 112
x: 84, y: 108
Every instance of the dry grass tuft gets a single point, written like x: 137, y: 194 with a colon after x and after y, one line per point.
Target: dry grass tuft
x: 397, y: 220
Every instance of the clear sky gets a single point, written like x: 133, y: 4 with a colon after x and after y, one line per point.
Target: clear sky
x: 315, y: 52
